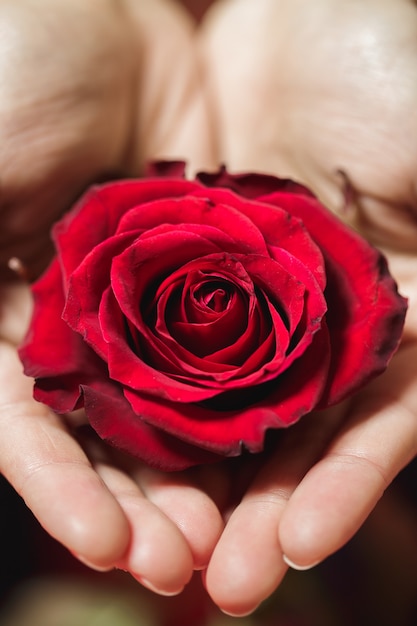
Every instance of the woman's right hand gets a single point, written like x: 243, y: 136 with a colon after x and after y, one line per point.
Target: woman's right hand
x: 91, y: 91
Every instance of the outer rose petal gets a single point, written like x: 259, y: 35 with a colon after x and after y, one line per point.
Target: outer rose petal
x: 85, y: 291
x: 52, y: 353
x: 365, y: 309
x: 165, y: 169
x: 111, y: 416
x: 251, y: 186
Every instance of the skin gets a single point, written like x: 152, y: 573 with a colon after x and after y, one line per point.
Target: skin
x: 307, y: 505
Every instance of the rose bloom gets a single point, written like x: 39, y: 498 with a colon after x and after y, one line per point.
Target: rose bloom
x: 188, y: 317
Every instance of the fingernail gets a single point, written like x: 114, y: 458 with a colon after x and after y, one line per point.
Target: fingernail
x: 97, y: 568
x: 296, y: 566
x: 200, y: 568
x: 245, y: 614
x: 160, y: 592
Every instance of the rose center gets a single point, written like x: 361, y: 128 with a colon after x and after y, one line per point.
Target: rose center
x: 213, y: 296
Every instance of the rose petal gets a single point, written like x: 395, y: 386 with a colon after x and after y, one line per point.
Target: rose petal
x: 275, y: 279
x: 279, y: 227
x: 52, y: 353
x: 165, y: 169
x: 200, y: 209
x: 102, y: 207
x: 85, y: 289
x: 210, y: 233
x: 251, y: 185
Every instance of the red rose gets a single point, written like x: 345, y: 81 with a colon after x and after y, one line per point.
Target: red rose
x: 188, y: 317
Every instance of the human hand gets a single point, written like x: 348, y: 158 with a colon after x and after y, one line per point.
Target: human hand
x: 84, y: 97
x: 325, y: 94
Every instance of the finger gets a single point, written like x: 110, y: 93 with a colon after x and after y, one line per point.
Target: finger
x: 158, y: 555
x: 188, y: 507
x: 52, y: 474
x: 339, y: 492
x: 247, y: 564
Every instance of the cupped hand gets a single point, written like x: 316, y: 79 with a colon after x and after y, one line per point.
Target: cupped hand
x: 325, y: 94
x: 107, y: 510
x: 84, y: 98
